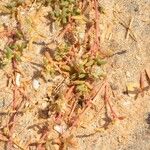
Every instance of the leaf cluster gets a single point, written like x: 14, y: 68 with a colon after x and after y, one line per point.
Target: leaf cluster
x: 13, y: 50
x: 62, y: 10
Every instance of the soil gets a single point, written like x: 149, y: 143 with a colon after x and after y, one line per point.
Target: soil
x: 128, y: 47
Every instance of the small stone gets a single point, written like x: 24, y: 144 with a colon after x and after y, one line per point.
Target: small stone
x: 138, y: 58
x: 127, y: 103
x: 27, y: 104
x: 101, y: 122
x: 36, y: 84
x: 60, y: 128
x: 18, y: 79
x: 128, y: 74
x: 114, y: 86
x: 44, y: 105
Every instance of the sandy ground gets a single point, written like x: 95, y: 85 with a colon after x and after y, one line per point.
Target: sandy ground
x: 125, y: 32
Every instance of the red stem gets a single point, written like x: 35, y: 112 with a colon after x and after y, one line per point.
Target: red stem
x: 96, y: 23
x: 13, y: 118
x: 106, y: 101
x: 14, y: 66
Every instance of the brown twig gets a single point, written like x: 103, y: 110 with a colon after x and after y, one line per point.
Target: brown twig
x: 69, y: 93
x: 147, y: 76
x: 129, y: 28
x: 142, y: 83
x: 72, y: 108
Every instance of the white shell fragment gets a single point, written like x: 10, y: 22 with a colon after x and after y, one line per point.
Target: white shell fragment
x: 18, y: 79
x: 60, y: 128
x: 35, y: 84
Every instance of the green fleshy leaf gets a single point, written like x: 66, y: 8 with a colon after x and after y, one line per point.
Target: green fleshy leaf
x: 9, y: 53
x: 101, y: 62
x: 89, y: 63
x: 82, y: 75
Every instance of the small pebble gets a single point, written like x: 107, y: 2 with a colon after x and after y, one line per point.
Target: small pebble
x: 60, y: 128
x: 128, y: 74
x: 114, y: 86
x: 127, y: 103
x: 36, y: 84
x: 18, y: 79
x: 27, y: 104
x: 138, y: 58
x: 44, y: 105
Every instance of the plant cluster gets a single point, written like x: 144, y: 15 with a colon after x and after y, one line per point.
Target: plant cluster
x: 63, y: 10
x: 13, y: 49
x: 78, y: 62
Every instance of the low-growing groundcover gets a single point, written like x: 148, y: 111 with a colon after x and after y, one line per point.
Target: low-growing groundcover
x: 70, y: 76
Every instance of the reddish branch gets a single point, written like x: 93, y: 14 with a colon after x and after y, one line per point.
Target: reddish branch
x: 105, y: 86
x: 12, y: 120
x: 94, y: 93
x: 14, y: 66
x: 75, y: 119
x: 69, y: 93
x: 107, y: 101
x: 72, y: 108
x: 42, y: 139
x: 96, y: 45
x: 96, y: 23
